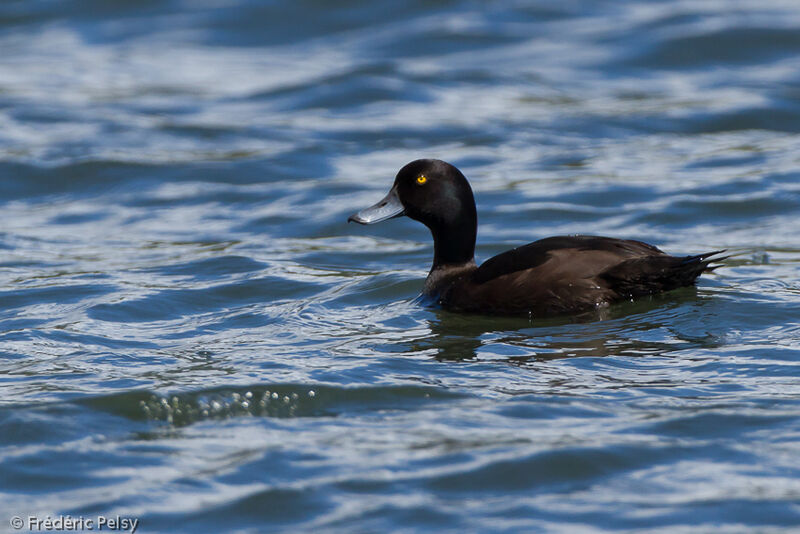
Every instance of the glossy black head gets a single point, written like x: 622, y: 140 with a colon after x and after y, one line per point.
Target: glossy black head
x: 436, y: 194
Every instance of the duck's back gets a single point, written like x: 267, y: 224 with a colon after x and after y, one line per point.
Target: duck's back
x: 569, y: 274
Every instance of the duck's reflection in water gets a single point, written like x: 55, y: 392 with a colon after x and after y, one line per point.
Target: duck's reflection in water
x: 646, y: 327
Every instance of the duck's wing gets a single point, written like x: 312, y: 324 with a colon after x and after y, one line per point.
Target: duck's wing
x: 585, y: 254
x: 571, y: 274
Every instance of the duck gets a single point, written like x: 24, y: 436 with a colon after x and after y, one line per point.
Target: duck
x: 554, y: 276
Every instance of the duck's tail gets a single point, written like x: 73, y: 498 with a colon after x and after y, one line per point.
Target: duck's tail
x: 704, y: 261
x: 653, y: 274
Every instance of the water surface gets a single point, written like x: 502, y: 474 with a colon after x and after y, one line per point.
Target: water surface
x: 192, y: 335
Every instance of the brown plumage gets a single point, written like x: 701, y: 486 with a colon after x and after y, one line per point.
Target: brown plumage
x: 563, y: 275
x: 552, y: 276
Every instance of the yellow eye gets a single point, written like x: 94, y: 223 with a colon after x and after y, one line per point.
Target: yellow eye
x: 421, y: 179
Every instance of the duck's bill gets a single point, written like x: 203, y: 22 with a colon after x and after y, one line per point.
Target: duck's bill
x: 388, y: 208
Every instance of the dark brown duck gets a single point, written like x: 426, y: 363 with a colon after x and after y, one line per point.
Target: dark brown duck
x: 552, y: 276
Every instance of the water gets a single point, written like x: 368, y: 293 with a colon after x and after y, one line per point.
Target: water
x: 192, y: 335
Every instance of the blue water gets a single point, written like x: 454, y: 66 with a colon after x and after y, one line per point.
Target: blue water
x: 192, y: 335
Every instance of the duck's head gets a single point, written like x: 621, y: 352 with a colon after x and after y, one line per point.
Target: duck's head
x: 436, y: 194
x: 430, y: 191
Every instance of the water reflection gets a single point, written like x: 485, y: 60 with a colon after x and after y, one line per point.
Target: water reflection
x: 645, y: 327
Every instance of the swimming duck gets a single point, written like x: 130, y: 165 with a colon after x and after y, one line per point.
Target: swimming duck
x: 552, y: 276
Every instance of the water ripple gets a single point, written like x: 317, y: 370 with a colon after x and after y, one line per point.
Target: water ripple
x: 178, y: 276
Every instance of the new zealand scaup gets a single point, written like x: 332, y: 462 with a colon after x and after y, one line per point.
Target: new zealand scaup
x: 552, y: 276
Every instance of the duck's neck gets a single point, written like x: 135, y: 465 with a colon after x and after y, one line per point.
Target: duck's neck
x: 442, y: 277
x: 453, y: 255
x: 454, y: 243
